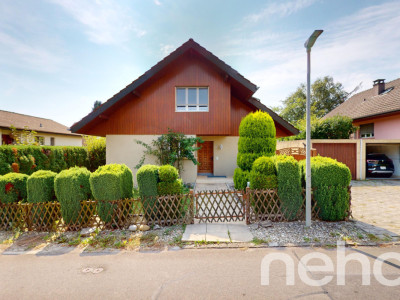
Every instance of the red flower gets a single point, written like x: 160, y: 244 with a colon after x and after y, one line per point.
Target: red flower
x: 81, y: 186
x: 9, y: 187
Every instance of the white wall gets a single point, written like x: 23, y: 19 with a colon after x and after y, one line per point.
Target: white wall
x: 60, y: 139
x: 123, y: 149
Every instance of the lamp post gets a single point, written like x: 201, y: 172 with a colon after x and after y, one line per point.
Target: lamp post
x: 308, y: 44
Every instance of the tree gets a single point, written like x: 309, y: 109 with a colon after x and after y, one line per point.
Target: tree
x: 24, y: 137
x: 325, y: 96
x: 96, y: 105
x: 171, y: 149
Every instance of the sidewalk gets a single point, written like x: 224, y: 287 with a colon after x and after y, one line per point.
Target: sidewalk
x: 235, y: 232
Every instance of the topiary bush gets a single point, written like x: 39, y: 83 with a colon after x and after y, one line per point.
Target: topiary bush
x: 329, y: 179
x: 289, y: 185
x: 147, y: 179
x: 13, y: 188
x: 111, y: 182
x: 40, y: 189
x: 168, y: 173
x: 256, y: 138
x: 71, y: 187
x: 263, y: 174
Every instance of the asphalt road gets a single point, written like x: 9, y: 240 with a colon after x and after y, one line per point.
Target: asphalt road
x: 188, y: 274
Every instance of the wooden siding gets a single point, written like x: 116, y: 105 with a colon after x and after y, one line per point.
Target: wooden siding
x: 239, y: 110
x: 152, y: 109
x: 343, y: 152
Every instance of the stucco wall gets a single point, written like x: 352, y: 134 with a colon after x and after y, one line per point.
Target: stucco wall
x: 60, y: 139
x: 387, y: 128
x: 225, y: 158
x: 123, y: 149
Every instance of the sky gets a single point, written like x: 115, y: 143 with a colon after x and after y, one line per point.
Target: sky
x: 58, y: 56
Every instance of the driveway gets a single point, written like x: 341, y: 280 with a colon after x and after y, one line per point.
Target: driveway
x: 377, y: 203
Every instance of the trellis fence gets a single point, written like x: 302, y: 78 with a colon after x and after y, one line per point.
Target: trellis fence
x: 203, y: 207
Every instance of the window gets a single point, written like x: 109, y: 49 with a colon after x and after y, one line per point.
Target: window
x: 367, y: 130
x: 39, y: 140
x: 191, y: 99
x: 52, y: 141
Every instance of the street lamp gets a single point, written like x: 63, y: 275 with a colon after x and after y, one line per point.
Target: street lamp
x: 308, y: 44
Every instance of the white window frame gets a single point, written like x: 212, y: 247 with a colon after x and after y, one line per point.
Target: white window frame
x: 197, y: 98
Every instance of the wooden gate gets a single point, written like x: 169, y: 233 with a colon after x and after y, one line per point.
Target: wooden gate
x: 343, y: 152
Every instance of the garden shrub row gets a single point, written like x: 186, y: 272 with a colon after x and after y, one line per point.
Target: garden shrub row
x: 29, y: 159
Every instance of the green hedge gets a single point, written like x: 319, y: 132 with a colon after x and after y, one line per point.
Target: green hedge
x: 289, y: 185
x: 13, y: 188
x: 256, y: 138
x: 111, y: 182
x: 168, y: 173
x: 29, y: 159
x: 240, y: 178
x: 147, y: 179
x: 329, y: 179
x: 72, y: 186
x: 40, y: 187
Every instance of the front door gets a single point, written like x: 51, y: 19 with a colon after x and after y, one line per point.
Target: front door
x: 206, y: 158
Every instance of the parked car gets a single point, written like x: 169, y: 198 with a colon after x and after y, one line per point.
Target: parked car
x: 380, y: 165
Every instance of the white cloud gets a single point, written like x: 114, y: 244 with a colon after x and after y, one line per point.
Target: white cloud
x: 166, y: 49
x: 157, y: 2
x: 280, y: 9
x: 357, y: 48
x: 104, y: 21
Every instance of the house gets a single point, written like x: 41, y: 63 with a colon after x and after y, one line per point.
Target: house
x: 376, y: 112
x: 190, y: 91
x: 48, y: 131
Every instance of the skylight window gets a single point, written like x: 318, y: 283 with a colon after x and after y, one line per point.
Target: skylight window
x: 387, y: 90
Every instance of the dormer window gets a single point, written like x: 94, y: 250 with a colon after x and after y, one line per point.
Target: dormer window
x: 191, y: 99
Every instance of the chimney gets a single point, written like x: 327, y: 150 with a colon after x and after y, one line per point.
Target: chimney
x: 379, y: 86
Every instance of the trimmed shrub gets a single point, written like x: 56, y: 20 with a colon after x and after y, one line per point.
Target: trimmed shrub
x: 170, y: 188
x: 147, y: 179
x: 40, y: 187
x: 72, y: 186
x: 240, y: 178
x: 13, y: 188
x: 111, y: 182
x: 96, y: 151
x: 289, y: 185
x: 256, y: 138
x: 28, y: 159
x: 329, y: 180
x: 263, y: 182
x: 168, y: 173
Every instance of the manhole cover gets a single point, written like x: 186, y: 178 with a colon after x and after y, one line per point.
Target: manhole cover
x: 92, y: 270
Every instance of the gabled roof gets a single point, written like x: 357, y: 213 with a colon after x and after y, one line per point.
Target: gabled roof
x: 190, y: 44
x: 19, y: 121
x: 368, y: 104
x: 285, y: 124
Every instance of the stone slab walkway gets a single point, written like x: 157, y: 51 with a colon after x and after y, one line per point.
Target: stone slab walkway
x: 376, y: 206
x: 236, y: 232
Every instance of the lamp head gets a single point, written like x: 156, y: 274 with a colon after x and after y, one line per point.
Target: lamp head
x: 311, y: 40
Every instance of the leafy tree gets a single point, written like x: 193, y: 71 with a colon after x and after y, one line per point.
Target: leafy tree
x: 24, y: 137
x: 325, y: 96
x: 171, y: 149
x: 96, y: 105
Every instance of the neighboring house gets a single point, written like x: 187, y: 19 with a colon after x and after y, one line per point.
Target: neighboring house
x: 48, y: 131
x: 377, y: 114
x: 190, y: 91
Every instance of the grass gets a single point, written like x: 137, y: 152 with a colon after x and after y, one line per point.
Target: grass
x: 373, y: 237
x: 257, y: 241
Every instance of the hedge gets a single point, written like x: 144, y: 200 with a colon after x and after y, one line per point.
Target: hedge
x: 329, y: 179
x: 72, y: 186
x: 289, y: 185
x: 147, y: 179
x: 256, y: 138
x: 13, y: 188
x: 111, y: 182
x: 168, y: 173
x: 40, y: 187
x: 28, y: 159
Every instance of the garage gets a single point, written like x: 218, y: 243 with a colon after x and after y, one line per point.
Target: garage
x: 391, y: 150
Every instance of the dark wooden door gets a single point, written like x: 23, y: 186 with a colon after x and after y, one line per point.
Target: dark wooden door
x: 206, y: 158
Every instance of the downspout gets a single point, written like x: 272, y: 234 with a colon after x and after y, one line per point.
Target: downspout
x: 361, y: 158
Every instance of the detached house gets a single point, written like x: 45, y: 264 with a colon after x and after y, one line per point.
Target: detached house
x: 190, y: 91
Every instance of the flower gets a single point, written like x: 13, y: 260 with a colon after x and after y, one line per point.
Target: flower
x: 9, y: 187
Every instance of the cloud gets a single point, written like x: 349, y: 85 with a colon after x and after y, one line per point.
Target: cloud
x: 105, y: 22
x: 357, y: 48
x: 166, y: 49
x: 157, y: 2
x: 280, y: 9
